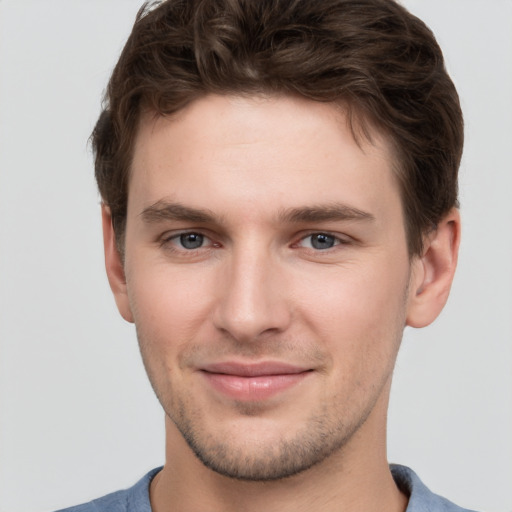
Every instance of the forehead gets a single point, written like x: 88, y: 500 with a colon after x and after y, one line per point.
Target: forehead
x: 275, y: 152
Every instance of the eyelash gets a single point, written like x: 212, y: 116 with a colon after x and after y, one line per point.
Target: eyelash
x: 337, y: 241
x: 168, y: 242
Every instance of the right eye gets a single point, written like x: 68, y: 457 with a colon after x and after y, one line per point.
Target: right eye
x: 190, y: 241
x: 187, y: 243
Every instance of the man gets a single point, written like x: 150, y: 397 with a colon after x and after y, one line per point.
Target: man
x: 279, y: 185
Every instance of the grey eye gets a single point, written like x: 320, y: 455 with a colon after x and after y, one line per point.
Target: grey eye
x: 191, y: 240
x: 322, y: 241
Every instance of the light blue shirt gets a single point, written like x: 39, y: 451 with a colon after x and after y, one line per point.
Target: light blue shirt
x: 136, y: 498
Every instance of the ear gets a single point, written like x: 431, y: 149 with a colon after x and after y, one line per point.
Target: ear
x: 114, y: 266
x: 432, y: 273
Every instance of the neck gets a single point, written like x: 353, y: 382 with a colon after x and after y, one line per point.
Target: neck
x: 355, y: 478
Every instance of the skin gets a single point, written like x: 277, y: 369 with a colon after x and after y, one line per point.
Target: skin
x: 260, y: 233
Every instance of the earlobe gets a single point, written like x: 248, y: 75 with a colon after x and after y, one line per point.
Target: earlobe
x: 114, y: 266
x: 433, y: 272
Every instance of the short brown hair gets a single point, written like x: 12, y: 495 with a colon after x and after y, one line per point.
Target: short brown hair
x: 375, y: 57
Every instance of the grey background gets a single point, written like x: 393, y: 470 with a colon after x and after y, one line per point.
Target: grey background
x: 77, y: 417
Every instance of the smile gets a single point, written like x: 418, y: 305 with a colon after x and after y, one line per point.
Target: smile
x: 254, y: 382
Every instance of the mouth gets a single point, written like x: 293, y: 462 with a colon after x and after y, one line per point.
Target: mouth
x: 253, y: 382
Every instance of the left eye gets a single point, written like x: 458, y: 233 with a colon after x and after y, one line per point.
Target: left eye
x: 320, y: 241
x: 191, y: 241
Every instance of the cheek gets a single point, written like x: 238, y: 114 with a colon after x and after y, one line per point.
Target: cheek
x: 359, y: 312
x: 169, y: 308
x: 169, y: 311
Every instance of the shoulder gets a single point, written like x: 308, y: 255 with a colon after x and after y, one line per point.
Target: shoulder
x: 134, y: 499
x: 421, y: 499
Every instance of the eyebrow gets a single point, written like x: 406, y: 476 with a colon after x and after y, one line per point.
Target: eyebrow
x: 164, y: 210
x: 323, y: 213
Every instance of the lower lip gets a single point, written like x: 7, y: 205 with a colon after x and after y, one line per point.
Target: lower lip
x: 253, y: 388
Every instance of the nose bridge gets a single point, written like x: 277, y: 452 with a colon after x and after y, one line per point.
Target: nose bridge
x: 251, y: 299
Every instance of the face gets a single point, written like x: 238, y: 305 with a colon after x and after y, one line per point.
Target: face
x: 267, y: 274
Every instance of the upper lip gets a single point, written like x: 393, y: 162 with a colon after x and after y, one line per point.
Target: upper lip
x: 253, y: 369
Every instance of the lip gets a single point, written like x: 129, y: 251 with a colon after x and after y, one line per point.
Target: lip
x: 255, y: 381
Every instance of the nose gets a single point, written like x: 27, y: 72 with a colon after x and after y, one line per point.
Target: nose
x: 252, y: 299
